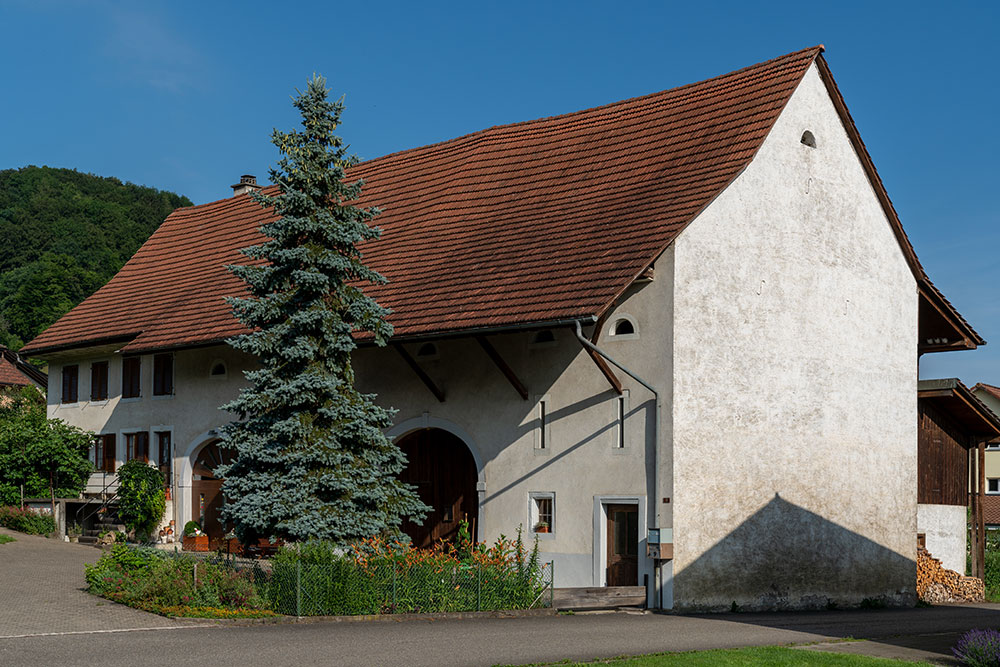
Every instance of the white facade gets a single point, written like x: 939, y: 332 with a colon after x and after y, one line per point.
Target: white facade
x: 945, y: 528
x: 780, y: 332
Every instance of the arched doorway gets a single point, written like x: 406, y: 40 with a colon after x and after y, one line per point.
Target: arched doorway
x: 206, y: 489
x: 442, y: 468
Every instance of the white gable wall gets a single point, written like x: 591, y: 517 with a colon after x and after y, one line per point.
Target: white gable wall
x: 795, y: 371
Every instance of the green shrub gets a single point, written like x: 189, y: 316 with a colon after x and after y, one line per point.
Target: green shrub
x: 191, y: 528
x: 141, y: 497
x: 27, y: 521
x: 149, y: 579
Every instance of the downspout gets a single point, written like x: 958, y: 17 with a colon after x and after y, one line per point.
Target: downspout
x: 657, y: 409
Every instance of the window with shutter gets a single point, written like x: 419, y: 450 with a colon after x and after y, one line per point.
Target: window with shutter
x: 130, y: 377
x: 99, y: 381
x: 163, y: 375
x: 70, y: 384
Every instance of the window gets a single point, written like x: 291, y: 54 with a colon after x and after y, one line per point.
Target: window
x: 70, y: 384
x: 164, y: 453
x: 808, y: 139
x: 993, y: 485
x: 99, y: 381
x: 542, y: 432
x: 428, y: 352
x: 623, y: 328
x: 542, y: 512
x: 218, y: 370
x: 130, y: 377
x: 621, y: 412
x: 105, y: 452
x: 137, y: 446
x: 163, y: 375
x: 544, y: 338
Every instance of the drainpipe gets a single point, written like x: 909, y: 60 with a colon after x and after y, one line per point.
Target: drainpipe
x: 657, y: 409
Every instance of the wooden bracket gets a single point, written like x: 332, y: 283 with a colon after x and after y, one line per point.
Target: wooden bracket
x: 428, y: 382
x: 613, y: 380
x: 507, y: 371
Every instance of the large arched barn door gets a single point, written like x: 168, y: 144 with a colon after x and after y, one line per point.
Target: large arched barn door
x: 441, y: 466
x: 206, y: 489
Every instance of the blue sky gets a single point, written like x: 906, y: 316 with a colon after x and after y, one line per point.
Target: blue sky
x: 182, y: 96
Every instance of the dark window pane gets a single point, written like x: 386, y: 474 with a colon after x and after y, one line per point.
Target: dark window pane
x: 163, y: 374
x: 130, y: 377
x: 99, y: 381
x: 70, y: 383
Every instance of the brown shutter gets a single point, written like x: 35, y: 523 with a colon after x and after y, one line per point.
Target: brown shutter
x: 99, y: 381
x: 108, y: 450
x: 163, y: 374
x: 70, y: 382
x: 130, y: 377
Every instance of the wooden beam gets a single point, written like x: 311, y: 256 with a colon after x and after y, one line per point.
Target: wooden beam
x: 613, y: 380
x: 428, y: 382
x: 507, y: 371
x: 980, y: 513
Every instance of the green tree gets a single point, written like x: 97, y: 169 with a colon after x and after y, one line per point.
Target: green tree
x: 39, y: 456
x: 311, y: 458
x: 141, y: 497
x: 64, y: 234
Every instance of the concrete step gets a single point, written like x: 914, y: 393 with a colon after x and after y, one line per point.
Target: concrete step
x: 608, y: 597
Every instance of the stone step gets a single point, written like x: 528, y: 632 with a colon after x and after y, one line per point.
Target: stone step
x: 608, y: 597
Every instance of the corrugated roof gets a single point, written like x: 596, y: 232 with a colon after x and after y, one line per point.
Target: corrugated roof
x: 535, y: 222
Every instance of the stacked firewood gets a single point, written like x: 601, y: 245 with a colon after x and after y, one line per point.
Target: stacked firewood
x: 936, y: 585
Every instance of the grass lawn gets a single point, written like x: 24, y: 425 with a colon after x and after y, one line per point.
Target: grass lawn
x: 767, y: 655
x: 4, y: 539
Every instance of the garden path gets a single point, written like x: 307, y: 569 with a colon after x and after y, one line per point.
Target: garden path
x: 41, y: 592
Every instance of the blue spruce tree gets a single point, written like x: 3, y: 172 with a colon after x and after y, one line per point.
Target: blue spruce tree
x: 311, y: 459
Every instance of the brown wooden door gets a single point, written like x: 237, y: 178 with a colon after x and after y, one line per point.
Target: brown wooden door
x: 623, y: 545
x: 206, y: 490
x: 441, y: 466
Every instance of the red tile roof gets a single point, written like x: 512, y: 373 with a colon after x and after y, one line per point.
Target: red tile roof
x: 536, y: 222
x: 18, y: 373
x: 991, y: 510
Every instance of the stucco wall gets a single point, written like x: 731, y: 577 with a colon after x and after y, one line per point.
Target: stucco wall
x: 581, y: 463
x: 945, y: 527
x: 794, y: 414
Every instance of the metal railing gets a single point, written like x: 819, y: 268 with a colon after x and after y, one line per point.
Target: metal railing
x: 104, y: 499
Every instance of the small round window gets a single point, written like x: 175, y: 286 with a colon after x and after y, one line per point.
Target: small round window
x: 427, y: 351
x: 218, y: 370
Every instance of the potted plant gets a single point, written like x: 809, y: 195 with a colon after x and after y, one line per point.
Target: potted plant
x: 194, y: 539
x: 542, y: 527
x: 74, y: 532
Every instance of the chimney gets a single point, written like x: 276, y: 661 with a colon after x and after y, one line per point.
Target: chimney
x: 248, y: 183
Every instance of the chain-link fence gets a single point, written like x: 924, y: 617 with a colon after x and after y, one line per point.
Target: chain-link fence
x: 340, y: 585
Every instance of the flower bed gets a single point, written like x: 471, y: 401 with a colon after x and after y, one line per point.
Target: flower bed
x: 316, y: 578
x: 26, y: 521
x: 155, y: 581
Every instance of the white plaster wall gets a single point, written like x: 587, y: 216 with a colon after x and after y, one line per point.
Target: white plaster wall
x: 945, y: 528
x: 795, y: 377
x: 581, y: 463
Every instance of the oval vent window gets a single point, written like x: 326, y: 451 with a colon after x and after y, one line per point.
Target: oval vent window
x: 809, y: 139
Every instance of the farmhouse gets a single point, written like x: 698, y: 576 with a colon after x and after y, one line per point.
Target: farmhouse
x: 676, y: 337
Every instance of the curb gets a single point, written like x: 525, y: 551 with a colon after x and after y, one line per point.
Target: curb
x: 372, y: 618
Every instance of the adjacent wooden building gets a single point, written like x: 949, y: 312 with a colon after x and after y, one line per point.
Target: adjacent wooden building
x: 953, y: 429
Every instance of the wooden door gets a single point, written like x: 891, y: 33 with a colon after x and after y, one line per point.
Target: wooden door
x: 441, y: 466
x: 623, y: 545
x: 206, y: 490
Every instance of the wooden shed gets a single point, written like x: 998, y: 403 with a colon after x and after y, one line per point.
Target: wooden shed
x: 954, y: 427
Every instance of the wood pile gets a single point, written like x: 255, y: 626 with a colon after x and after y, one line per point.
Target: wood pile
x: 936, y: 585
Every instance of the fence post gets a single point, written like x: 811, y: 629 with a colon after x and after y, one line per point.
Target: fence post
x: 394, y: 587
x: 298, y: 584
x: 479, y: 587
x: 552, y: 581
x: 196, y: 576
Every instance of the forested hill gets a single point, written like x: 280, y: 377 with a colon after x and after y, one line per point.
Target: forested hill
x: 63, y: 234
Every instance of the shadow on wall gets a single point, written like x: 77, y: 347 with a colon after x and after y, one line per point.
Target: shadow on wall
x: 786, y: 557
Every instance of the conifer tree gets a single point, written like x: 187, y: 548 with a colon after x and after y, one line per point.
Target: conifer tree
x: 311, y: 459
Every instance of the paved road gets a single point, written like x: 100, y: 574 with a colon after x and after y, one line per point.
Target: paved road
x: 46, y: 619
x: 41, y: 591
x: 497, y: 641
